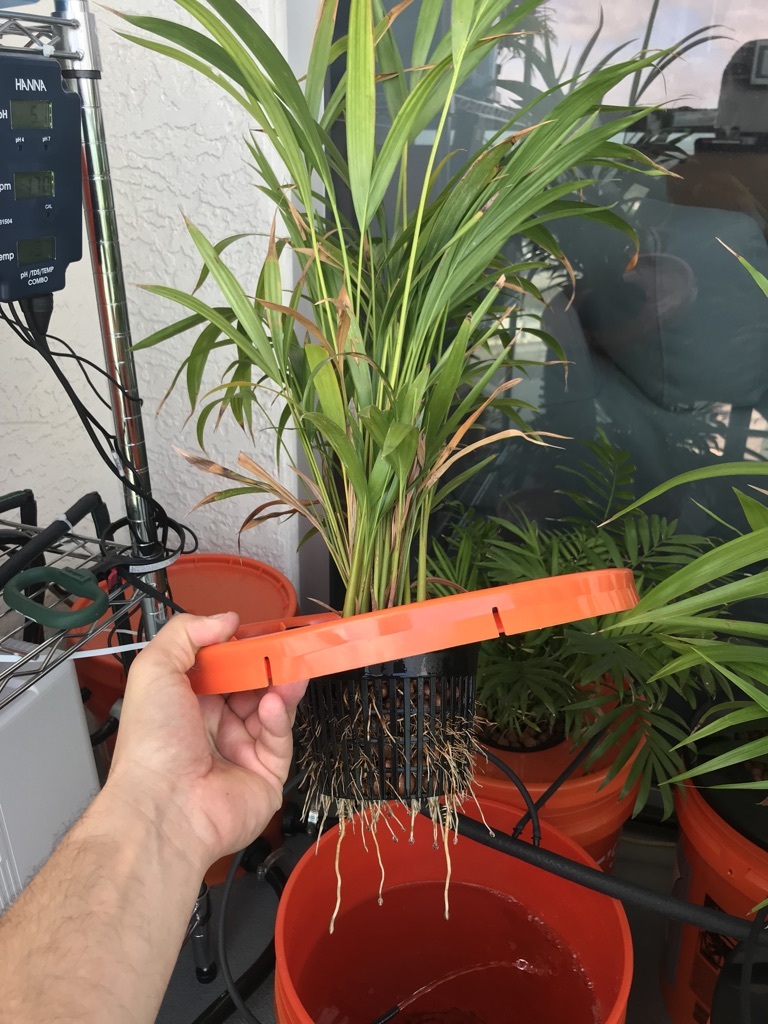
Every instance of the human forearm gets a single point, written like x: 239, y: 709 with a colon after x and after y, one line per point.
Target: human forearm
x: 119, y: 890
x: 95, y: 936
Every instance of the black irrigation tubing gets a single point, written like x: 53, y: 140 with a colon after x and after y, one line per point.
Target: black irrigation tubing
x: 233, y: 990
x: 672, y: 907
x: 750, y: 951
x: 532, y: 813
x: 565, y: 774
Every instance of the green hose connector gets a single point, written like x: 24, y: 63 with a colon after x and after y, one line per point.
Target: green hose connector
x: 79, y: 582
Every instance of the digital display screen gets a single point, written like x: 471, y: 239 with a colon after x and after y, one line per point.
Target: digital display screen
x: 760, y: 68
x: 31, y: 114
x: 36, y: 250
x: 32, y: 184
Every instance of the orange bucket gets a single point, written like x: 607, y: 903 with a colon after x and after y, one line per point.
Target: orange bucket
x: 202, y: 584
x: 585, y: 807
x: 716, y: 867
x: 570, y: 948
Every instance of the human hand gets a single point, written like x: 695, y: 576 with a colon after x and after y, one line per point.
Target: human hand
x: 212, y: 767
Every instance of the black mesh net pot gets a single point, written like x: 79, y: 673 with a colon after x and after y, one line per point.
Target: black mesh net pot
x: 402, y: 730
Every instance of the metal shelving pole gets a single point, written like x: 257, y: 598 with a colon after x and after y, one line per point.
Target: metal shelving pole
x: 70, y: 36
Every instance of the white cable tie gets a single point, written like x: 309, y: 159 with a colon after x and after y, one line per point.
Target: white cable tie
x: 118, y: 462
x: 63, y: 519
x: 145, y: 570
x: 11, y: 658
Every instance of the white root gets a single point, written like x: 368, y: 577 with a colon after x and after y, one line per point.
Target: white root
x: 356, y: 786
x: 374, y: 830
x: 491, y: 833
x: 447, y: 850
x: 342, y: 824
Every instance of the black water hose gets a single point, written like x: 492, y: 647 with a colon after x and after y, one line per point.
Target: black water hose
x: 105, y: 730
x: 276, y: 876
x: 253, y: 977
x: 564, y: 775
x: 233, y: 991
x: 532, y: 814
x: 672, y: 907
x: 756, y: 931
x: 221, y: 1009
x: 24, y: 501
x: 37, y: 545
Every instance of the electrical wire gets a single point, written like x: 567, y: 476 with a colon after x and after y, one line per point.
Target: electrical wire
x: 105, y: 443
x: 91, y: 424
x: 87, y: 364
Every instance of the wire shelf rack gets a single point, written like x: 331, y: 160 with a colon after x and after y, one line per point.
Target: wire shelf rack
x: 29, y: 651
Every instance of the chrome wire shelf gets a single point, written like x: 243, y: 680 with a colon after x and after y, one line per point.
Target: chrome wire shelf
x: 36, y: 33
x: 21, y: 657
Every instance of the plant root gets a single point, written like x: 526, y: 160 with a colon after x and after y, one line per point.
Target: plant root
x: 369, y: 756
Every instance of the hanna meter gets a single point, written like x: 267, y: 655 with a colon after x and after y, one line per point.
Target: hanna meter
x: 40, y: 183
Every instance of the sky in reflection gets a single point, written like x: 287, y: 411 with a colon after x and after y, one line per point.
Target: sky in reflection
x: 695, y: 79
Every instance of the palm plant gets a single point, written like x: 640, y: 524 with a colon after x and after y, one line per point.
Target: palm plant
x: 692, y: 609
x: 382, y: 376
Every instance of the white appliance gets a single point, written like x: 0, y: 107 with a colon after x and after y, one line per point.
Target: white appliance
x: 47, y: 773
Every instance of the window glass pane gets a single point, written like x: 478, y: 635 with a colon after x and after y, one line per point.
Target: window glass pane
x: 670, y: 356
x: 669, y: 353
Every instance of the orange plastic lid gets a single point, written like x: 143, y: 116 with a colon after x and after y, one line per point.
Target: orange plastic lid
x: 320, y: 645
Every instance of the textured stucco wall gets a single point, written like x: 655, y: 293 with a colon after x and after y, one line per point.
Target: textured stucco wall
x: 175, y: 145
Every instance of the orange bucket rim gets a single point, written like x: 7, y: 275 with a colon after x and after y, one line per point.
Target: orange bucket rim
x: 590, y: 782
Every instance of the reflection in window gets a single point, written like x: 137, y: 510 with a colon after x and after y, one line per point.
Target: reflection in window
x: 668, y: 351
x: 667, y: 348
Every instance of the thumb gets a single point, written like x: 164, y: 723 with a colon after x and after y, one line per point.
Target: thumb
x: 175, y: 646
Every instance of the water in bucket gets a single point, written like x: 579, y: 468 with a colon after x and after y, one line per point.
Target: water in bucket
x: 492, y: 962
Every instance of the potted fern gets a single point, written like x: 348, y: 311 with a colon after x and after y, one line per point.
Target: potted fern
x: 377, y: 362
x: 547, y: 694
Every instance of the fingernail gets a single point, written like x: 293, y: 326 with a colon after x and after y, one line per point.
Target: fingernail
x: 219, y: 615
